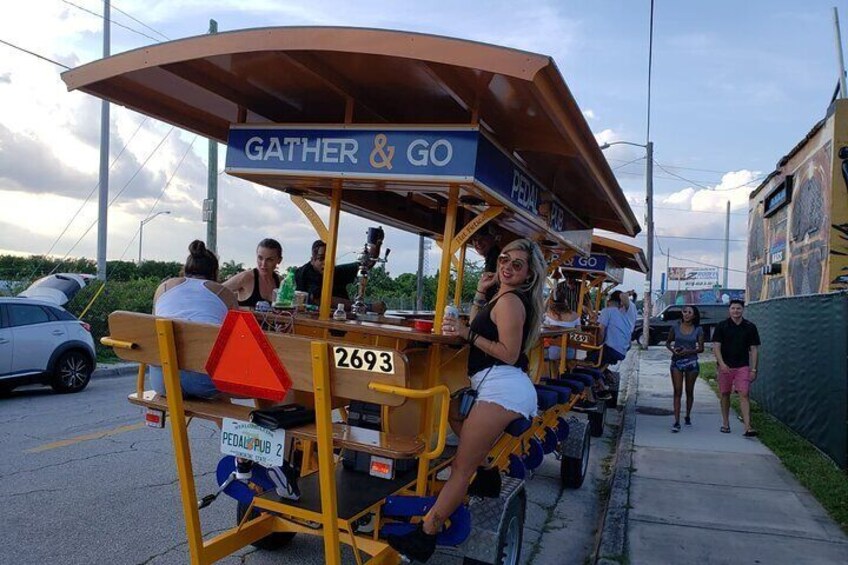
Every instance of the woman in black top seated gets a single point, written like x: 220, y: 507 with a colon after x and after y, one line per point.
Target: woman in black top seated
x: 261, y: 282
x: 502, y: 331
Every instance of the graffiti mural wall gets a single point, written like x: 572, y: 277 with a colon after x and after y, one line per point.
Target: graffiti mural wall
x: 838, y: 272
x: 789, y: 221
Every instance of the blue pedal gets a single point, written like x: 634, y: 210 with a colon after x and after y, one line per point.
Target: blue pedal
x: 517, y: 470
x: 551, y: 440
x: 240, y: 490
x: 562, y: 429
x: 535, y: 454
x: 456, y: 533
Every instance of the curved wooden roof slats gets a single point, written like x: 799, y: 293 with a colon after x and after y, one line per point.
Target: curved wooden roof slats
x: 626, y: 255
x: 303, y: 75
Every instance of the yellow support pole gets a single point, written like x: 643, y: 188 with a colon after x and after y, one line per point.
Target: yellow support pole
x: 444, y: 268
x: 93, y: 298
x: 326, y: 463
x: 460, y: 274
x: 330, y: 259
x: 582, y: 295
x: 312, y: 216
x: 179, y: 433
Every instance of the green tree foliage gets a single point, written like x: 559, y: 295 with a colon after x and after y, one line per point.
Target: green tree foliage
x: 230, y: 268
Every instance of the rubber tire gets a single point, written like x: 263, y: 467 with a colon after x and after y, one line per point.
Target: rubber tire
x: 515, y: 511
x: 571, y: 469
x: 77, y: 362
x: 596, y: 420
x: 270, y: 542
x: 613, y: 402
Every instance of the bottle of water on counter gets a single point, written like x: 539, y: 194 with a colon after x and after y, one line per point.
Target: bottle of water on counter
x: 340, y: 314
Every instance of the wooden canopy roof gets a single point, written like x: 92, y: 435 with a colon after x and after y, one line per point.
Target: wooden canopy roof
x: 624, y: 254
x: 326, y: 75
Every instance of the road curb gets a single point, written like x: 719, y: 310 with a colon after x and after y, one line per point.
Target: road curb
x: 115, y: 370
x: 612, y: 547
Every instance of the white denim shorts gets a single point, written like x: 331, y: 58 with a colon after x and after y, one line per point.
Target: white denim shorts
x: 508, y: 387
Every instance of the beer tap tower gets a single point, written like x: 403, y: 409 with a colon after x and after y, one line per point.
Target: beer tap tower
x: 369, y: 257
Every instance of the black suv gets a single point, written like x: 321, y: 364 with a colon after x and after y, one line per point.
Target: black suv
x: 711, y: 314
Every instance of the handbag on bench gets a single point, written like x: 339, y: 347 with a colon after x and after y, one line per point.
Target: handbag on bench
x: 286, y: 416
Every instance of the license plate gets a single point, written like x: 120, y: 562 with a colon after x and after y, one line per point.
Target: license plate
x: 249, y: 441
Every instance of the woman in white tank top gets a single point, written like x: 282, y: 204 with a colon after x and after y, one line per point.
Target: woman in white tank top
x: 194, y: 297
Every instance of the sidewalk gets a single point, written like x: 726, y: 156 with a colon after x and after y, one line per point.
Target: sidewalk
x: 700, y: 495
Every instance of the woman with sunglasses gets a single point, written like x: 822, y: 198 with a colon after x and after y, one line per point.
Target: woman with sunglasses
x: 502, y: 331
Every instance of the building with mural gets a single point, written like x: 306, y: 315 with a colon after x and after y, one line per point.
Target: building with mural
x: 798, y: 216
x: 797, y: 278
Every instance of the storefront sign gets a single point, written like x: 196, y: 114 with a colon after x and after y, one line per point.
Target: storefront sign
x: 451, y: 155
x: 778, y: 197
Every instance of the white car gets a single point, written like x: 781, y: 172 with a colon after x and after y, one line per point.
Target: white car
x: 43, y: 343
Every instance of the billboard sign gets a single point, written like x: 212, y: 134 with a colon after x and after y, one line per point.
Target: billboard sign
x: 693, y: 278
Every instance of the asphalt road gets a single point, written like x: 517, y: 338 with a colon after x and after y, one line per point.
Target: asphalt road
x: 85, y: 482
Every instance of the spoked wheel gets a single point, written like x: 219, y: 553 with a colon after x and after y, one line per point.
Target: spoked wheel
x: 270, y: 542
x: 72, y: 373
x: 575, y: 458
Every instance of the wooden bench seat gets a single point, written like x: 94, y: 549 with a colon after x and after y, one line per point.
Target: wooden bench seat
x: 351, y: 437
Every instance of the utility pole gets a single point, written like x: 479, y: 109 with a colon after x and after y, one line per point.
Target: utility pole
x: 649, y: 202
x: 103, y: 194
x: 840, y: 59
x: 419, y: 289
x: 726, y: 245
x: 211, y: 204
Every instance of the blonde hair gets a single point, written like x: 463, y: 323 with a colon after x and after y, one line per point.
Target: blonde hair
x: 532, y: 287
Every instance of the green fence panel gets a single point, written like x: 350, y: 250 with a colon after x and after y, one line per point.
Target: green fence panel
x: 803, y: 368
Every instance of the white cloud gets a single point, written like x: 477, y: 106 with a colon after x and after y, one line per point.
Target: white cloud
x: 589, y: 114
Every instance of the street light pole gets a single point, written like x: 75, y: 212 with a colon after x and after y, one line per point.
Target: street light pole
x: 649, y: 203
x: 141, y: 230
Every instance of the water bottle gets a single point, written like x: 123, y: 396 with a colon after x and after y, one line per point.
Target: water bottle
x: 340, y: 314
x: 285, y: 295
x: 451, y: 313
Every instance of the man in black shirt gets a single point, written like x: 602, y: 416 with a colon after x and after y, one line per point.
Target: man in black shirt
x: 735, y: 346
x: 486, y: 245
x: 309, y: 278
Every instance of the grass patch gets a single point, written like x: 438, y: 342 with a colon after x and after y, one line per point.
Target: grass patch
x: 827, y: 482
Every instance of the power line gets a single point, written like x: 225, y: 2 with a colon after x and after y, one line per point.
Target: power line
x: 692, y: 211
x: 114, y: 7
x: 694, y: 261
x: 87, y: 198
x: 755, y: 179
x: 697, y: 238
x: 102, y: 17
x: 28, y: 52
x: 158, y: 198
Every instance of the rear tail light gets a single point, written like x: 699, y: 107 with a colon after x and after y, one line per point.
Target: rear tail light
x: 86, y: 327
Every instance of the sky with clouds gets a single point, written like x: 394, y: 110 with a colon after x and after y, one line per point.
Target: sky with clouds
x: 735, y: 86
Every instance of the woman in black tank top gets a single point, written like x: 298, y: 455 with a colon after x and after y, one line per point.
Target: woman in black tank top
x: 501, y: 332
x: 247, y: 285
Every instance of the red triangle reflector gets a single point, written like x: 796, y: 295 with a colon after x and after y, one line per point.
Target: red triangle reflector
x: 242, y: 361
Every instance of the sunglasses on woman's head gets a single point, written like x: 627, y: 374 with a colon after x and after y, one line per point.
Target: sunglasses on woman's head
x: 517, y: 264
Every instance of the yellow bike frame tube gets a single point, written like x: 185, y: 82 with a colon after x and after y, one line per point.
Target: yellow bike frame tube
x: 139, y: 379
x: 117, y: 343
x: 438, y: 390
x: 326, y: 463
x: 179, y: 433
x: 444, y: 266
x: 330, y: 257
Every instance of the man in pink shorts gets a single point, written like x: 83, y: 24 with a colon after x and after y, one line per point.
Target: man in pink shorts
x: 735, y: 345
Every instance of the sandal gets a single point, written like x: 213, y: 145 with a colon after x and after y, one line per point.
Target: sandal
x: 751, y: 433
x: 725, y: 429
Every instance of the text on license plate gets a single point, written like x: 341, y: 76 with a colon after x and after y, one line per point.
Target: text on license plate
x: 249, y: 441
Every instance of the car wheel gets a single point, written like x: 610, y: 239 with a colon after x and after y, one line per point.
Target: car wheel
x: 72, y: 372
